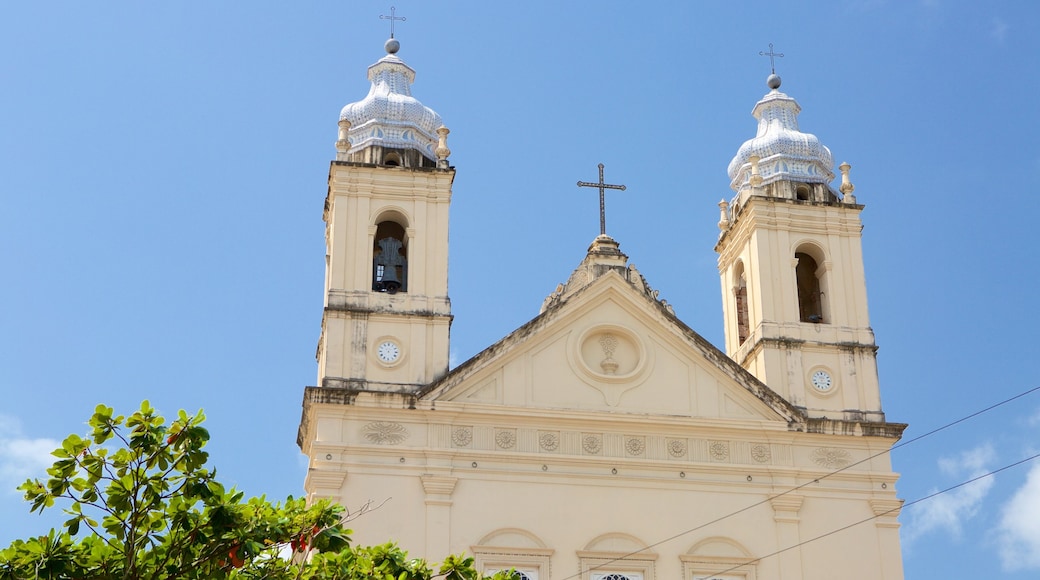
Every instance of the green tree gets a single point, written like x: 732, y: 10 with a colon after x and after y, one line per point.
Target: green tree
x: 143, y: 504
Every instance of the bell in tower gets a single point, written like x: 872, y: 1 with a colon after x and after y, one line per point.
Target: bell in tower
x: 389, y: 266
x: 387, y: 314
x: 791, y: 263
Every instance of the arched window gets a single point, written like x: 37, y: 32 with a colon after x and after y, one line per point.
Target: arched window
x: 392, y: 159
x: 390, y: 258
x: 810, y: 303
x: 802, y: 192
x: 740, y: 292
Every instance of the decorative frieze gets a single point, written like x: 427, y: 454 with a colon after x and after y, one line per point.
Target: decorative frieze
x: 592, y: 443
x: 719, y: 450
x: 830, y: 457
x: 635, y: 446
x: 760, y: 453
x: 677, y: 448
x: 462, y: 436
x: 384, y: 433
x: 505, y: 438
x: 549, y: 440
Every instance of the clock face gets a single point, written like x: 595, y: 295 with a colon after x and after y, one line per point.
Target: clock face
x: 388, y: 352
x: 822, y: 380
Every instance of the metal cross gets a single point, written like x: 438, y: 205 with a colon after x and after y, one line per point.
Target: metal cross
x: 391, y: 18
x: 602, y: 202
x: 770, y: 54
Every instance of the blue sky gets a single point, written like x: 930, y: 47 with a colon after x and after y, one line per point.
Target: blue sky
x: 163, y: 169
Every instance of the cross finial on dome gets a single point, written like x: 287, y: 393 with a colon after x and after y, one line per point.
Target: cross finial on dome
x: 773, y: 81
x: 392, y: 45
x: 392, y: 18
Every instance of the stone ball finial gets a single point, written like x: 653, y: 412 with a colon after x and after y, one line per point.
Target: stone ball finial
x: 773, y: 81
x: 392, y: 46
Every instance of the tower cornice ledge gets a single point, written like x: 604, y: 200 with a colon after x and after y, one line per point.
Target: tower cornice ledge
x: 347, y: 392
x: 774, y: 213
x: 450, y: 169
x: 860, y: 428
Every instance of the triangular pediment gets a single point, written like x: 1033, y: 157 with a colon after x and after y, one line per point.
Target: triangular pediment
x: 611, y: 346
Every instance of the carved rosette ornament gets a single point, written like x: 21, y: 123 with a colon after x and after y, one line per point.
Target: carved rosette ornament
x: 830, y: 457
x: 384, y: 433
x: 719, y: 450
x: 462, y: 436
x: 505, y: 439
x: 635, y: 445
x: 549, y: 441
x: 592, y: 444
x: 760, y: 453
x: 677, y: 448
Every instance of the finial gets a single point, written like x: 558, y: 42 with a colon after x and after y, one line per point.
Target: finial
x: 773, y: 81
x: 392, y: 45
x: 756, y: 177
x: 602, y: 204
x: 442, y: 152
x: 723, y: 215
x: 846, y: 184
x: 343, y: 142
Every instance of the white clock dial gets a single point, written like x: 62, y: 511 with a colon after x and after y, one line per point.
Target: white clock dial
x: 821, y: 380
x: 388, y: 352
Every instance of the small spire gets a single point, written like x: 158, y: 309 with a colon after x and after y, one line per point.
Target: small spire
x: 392, y: 45
x: 773, y: 81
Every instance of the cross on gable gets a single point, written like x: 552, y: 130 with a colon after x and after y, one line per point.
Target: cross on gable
x: 602, y: 202
x: 392, y: 18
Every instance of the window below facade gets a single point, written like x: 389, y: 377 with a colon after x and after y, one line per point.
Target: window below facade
x: 512, y: 549
x: 521, y: 574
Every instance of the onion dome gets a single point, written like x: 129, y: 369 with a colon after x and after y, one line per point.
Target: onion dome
x: 390, y: 116
x: 784, y: 152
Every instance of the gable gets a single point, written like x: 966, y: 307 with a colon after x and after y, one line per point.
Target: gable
x: 610, y: 348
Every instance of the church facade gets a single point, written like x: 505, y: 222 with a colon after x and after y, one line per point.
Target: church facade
x: 604, y: 439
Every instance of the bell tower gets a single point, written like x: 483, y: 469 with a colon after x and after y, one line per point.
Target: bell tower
x: 791, y: 264
x: 387, y: 312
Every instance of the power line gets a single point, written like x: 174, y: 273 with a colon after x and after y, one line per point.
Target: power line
x: 882, y: 514
x: 835, y: 472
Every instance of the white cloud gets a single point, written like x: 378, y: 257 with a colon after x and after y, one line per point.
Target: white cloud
x: 1034, y: 419
x: 22, y: 457
x: 949, y: 511
x: 1019, y: 530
